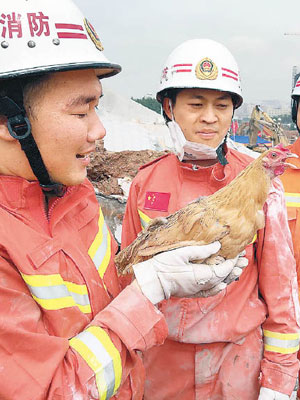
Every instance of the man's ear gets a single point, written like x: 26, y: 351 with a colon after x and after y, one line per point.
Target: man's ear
x: 4, y: 132
x: 166, y: 107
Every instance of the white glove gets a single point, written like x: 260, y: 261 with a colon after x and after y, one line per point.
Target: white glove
x: 173, y: 274
x: 239, y: 263
x: 269, y: 394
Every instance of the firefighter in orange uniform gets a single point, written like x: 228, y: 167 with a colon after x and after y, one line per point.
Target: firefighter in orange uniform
x: 291, y: 183
x: 243, y: 342
x: 67, y: 332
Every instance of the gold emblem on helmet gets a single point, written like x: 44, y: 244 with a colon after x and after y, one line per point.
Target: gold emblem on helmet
x: 93, y: 34
x: 206, y: 69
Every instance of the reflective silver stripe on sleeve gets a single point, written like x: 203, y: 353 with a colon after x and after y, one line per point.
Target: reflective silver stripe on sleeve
x: 292, y: 199
x: 98, y: 350
x: 53, y: 293
x: 101, y: 354
x: 56, y: 292
x: 281, y: 343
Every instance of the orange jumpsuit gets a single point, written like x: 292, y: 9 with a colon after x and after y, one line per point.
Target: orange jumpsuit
x: 63, y: 336
x: 215, y: 348
x: 291, y: 183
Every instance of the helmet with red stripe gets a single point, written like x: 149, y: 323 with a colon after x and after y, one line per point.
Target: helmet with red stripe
x: 37, y: 38
x: 45, y: 36
x: 203, y: 64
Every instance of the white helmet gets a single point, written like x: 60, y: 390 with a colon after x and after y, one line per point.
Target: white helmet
x: 203, y: 64
x: 37, y: 37
x: 296, y: 89
x: 49, y: 35
x: 295, y: 101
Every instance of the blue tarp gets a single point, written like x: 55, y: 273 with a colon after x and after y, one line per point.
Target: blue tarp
x: 245, y: 139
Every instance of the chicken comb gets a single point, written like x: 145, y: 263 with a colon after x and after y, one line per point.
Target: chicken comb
x: 281, y: 147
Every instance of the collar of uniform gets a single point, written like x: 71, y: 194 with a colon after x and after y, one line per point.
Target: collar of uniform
x: 295, y: 148
x: 14, y: 192
x: 216, y: 176
x: 17, y: 192
x: 219, y: 175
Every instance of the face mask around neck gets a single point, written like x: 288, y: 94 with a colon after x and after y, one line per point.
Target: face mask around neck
x: 186, y: 150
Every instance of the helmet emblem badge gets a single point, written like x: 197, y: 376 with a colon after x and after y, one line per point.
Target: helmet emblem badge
x: 206, y: 69
x: 164, y: 76
x: 93, y: 34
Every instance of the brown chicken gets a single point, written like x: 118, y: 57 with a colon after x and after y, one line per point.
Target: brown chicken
x: 231, y: 215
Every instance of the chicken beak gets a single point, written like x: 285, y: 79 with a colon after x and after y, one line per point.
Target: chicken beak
x: 291, y: 155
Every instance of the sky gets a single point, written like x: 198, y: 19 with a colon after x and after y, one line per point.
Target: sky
x: 139, y: 35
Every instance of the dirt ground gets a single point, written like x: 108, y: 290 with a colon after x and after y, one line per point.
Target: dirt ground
x: 106, y: 167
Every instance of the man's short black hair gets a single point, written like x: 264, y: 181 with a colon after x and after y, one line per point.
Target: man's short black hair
x: 172, y: 95
x: 21, y: 90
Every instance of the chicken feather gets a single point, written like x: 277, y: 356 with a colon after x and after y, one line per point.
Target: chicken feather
x: 232, y: 215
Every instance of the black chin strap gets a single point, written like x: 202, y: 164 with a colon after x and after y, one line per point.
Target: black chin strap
x: 20, y: 129
x: 221, y: 152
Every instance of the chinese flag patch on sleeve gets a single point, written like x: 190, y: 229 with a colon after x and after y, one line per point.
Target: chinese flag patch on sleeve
x: 157, y: 201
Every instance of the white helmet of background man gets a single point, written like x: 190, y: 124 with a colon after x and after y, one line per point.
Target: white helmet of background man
x: 49, y: 35
x: 39, y: 37
x: 203, y: 64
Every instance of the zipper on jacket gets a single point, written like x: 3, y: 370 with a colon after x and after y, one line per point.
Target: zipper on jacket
x: 55, y: 202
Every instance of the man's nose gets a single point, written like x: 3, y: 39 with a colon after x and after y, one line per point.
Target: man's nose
x: 97, y: 130
x: 208, y: 114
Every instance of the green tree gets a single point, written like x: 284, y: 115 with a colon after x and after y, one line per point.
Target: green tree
x: 149, y: 102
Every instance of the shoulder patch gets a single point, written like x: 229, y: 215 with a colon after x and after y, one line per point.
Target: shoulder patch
x: 154, y: 161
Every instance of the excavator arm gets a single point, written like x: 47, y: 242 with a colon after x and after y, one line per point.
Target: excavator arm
x: 271, y: 130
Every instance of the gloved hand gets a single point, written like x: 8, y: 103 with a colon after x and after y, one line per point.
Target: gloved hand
x: 269, y: 394
x: 173, y: 274
x: 240, y: 262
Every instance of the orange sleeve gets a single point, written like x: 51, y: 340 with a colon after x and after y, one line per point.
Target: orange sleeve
x: 37, y: 365
x: 278, y: 287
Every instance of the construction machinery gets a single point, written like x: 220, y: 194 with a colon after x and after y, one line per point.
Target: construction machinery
x: 261, y: 124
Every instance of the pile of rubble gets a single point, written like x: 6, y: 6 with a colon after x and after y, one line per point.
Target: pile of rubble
x: 111, y: 172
